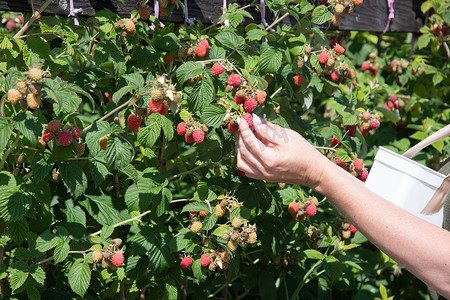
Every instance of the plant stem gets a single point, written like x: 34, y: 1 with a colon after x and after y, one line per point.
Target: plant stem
x: 10, y: 149
x: 188, y: 172
x: 107, y: 115
x: 124, y: 222
x: 224, y: 285
x: 305, y: 280
x: 278, y: 20
x: 33, y: 18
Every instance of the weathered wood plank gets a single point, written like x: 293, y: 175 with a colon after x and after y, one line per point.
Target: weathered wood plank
x: 372, y: 15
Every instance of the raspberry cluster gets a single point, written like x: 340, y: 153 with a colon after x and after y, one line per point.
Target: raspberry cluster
x: 333, y: 67
x: 240, y: 235
x: 393, y: 103
x: 355, y: 167
x: 348, y: 230
x: 370, y: 65
x: 127, y: 26
x: 28, y: 91
x: 193, y: 131
x: 63, y: 136
x: 282, y: 260
x: 193, y: 51
x: 299, y: 210
x: 369, y: 122
x: 110, y: 257
x: 13, y: 20
x: 343, y: 6
x: 315, y: 236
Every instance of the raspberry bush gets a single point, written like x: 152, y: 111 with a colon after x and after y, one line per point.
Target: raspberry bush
x: 118, y: 173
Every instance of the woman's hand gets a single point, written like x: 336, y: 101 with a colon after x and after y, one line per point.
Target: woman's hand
x: 278, y: 154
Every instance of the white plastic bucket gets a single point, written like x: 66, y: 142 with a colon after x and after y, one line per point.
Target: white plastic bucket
x: 405, y: 183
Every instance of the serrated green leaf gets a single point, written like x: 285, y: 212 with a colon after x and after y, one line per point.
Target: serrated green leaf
x: 79, y: 277
x: 19, y: 274
x: 104, y: 210
x: 74, y: 214
x: 185, y: 115
x: 202, y: 94
x: 148, y: 135
x: 73, y: 177
x: 188, y: 70
x: 228, y: 39
x: 140, y: 194
x: 134, y: 79
x: 256, y: 34
x: 13, y: 203
x: 270, y: 61
x: 38, y: 273
x: 320, y: 15
x: 195, y: 206
x: 122, y: 92
x: 171, y: 292
x: 46, y: 241
x: 29, y: 126
x: 313, y: 254
x: 161, y: 202
x: 6, y: 129
x: 216, y: 52
x: 117, y: 154
x: 99, y: 171
x: 98, y: 130
x: 17, y: 230
x: 213, y: 115
x: 61, y: 251
x: 167, y: 127
x: 42, y: 163
x: 219, y: 231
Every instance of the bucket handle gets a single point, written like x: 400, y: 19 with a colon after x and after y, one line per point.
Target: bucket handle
x: 437, y: 136
x: 437, y: 201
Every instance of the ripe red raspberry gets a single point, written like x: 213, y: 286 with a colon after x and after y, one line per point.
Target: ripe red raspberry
x: 341, y: 163
x: 186, y: 262
x: 203, y: 213
x: 232, y: 128
x: 365, y: 66
x: 181, y: 129
x: 10, y: 25
x: 357, y: 2
x: 189, y: 138
x: 205, y: 260
x: 234, y: 80
x: 117, y: 259
x: 249, y: 119
x: 393, y: 63
x: 335, y: 142
x: 198, y: 136
x: 261, y: 96
x: 358, y: 164
x: 324, y: 1
x: 238, y: 100
x: 392, y: 98
x: 250, y: 104
x: 334, y: 41
x: 144, y: 13
x: 134, y: 122
x: 200, y: 50
x: 217, y: 69
x: 390, y: 105
x: 363, y: 175
x: 155, y: 106
x: 293, y: 208
x: 168, y: 58
x: 353, y: 229
x: 351, y: 129
x: 323, y: 57
x: 193, y: 214
x: 164, y: 110
x: 436, y: 31
x: 373, y: 72
x: 76, y: 132
x: 367, y: 115
x: 205, y: 43
x: 335, y: 76
x: 364, y: 131
x: 339, y: 49
x: 298, y: 79
x: 54, y: 125
x: 65, y: 138
x: 444, y: 31
x: 241, y: 173
x: 311, y: 210
x: 375, y: 124
x: 47, y: 135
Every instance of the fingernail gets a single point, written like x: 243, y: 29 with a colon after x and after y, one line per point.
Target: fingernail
x: 256, y: 119
x: 238, y: 120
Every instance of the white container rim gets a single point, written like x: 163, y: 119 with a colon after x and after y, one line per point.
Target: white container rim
x: 409, y: 167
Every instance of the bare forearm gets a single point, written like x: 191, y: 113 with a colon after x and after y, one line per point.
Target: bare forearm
x: 424, y: 249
